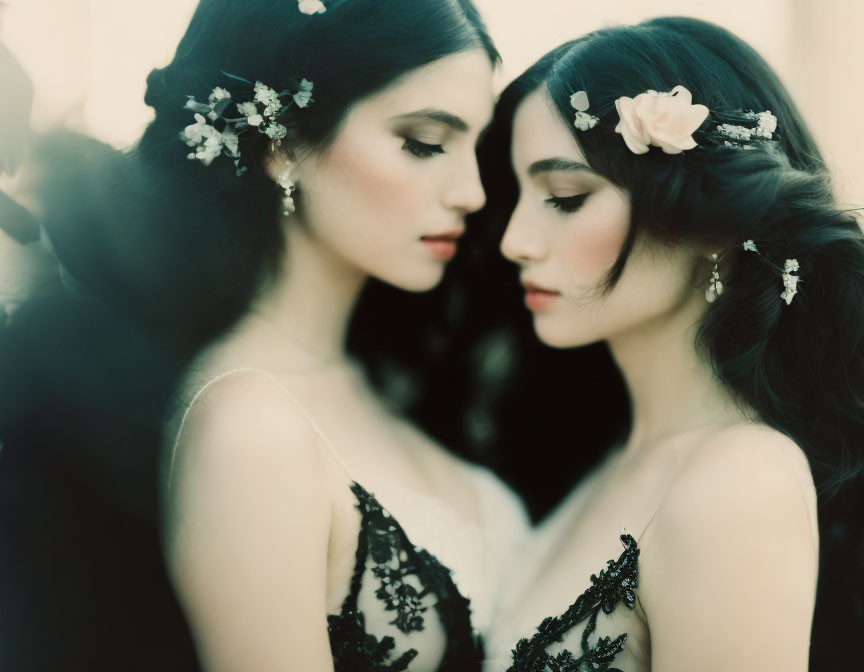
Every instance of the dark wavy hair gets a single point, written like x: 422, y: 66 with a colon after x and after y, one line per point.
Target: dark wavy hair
x: 160, y: 255
x: 799, y: 367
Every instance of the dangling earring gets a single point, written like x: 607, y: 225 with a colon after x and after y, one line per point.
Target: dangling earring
x: 715, y: 287
x: 289, y: 186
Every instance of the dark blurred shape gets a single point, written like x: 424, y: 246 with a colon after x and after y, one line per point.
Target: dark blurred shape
x: 17, y: 221
x: 15, y: 112
x: 14, y: 139
x: 82, y: 390
x: 82, y: 581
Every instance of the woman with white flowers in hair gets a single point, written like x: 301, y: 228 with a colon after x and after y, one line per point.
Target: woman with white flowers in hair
x: 303, y: 154
x: 665, y: 197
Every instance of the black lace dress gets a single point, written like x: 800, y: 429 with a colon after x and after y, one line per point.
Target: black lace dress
x: 613, y: 586
x: 413, y: 592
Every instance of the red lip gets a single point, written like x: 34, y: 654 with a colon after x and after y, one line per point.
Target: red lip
x: 450, y: 235
x: 537, y: 297
x: 442, y: 246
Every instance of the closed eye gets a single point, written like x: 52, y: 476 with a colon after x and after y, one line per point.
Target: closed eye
x: 567, y: 204
x: 422, y: 150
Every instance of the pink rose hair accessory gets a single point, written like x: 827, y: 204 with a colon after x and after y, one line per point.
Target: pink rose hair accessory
x: 664, y: 119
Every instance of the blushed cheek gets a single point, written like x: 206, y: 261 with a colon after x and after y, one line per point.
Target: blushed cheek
x: 370, y: 181
x: 593, y: 246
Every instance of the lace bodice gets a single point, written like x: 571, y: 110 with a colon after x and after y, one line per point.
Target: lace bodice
x: 612, y: 586
x: 411, y: 586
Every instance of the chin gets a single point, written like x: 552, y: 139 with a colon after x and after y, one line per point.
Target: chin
x: 560, y: 336
x: 421, y: 281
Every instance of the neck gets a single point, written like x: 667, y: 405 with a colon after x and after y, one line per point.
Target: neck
x: 308, y: 307
x: 672, y: 389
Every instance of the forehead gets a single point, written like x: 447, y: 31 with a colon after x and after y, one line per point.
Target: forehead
x: 539, y: 133
x: 460, y: 84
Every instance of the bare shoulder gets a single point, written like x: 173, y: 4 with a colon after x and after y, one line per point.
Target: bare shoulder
x: 732, y: 555
x: 248, y: 522
x: 749, y: 468
x: 244, y: 423
x: 747, y: 477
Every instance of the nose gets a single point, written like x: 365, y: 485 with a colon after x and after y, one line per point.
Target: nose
x: 521, y: 243
x: 465, y: 191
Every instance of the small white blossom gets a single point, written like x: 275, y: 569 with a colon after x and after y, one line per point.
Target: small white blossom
x: 311, y: 6
x: 255, y: 120
x: 767, y: 124
x: 265, y: 95
x: 579, y: 101
x: 787, y: 295
x: 210, y: 150
x: 247, y: 109
x: 585, y: 121
x: 750, y: 246
x: 195, y: 106
x: 735, y: 132
x: 194, y: 133
x: 304, y: 96
x: 790, y: 282
x: 207, y: 141
x: 272, y: 110
x: 218, y: 94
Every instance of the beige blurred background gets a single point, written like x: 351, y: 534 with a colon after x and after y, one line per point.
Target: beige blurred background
x: 89, y: 58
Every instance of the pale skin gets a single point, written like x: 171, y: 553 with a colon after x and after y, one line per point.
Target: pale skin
x: 723, y: 507
x: 261, y: 524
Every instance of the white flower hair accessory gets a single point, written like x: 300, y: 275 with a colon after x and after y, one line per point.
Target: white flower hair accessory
x: 311, y: 6
x: 790, y: 281
x: 583, y: 120
x: 263, y: 112
x: 762, y: 125
x: 663, y: 119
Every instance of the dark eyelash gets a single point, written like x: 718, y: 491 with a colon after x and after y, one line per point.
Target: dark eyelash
x: 421, y: 149
x: 567, y: 204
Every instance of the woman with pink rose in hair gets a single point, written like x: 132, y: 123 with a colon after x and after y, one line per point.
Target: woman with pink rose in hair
x: 663, y: 199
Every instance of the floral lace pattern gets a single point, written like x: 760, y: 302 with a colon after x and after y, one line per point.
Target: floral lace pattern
x: 393, y: 559
x: 613, y: 585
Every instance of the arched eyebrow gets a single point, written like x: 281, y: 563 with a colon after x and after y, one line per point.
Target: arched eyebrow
x: 558, y: 163
x: 433, y: 114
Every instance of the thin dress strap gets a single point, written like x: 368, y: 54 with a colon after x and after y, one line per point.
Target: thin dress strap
x: 285, y: 391
x: 683, y: 456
